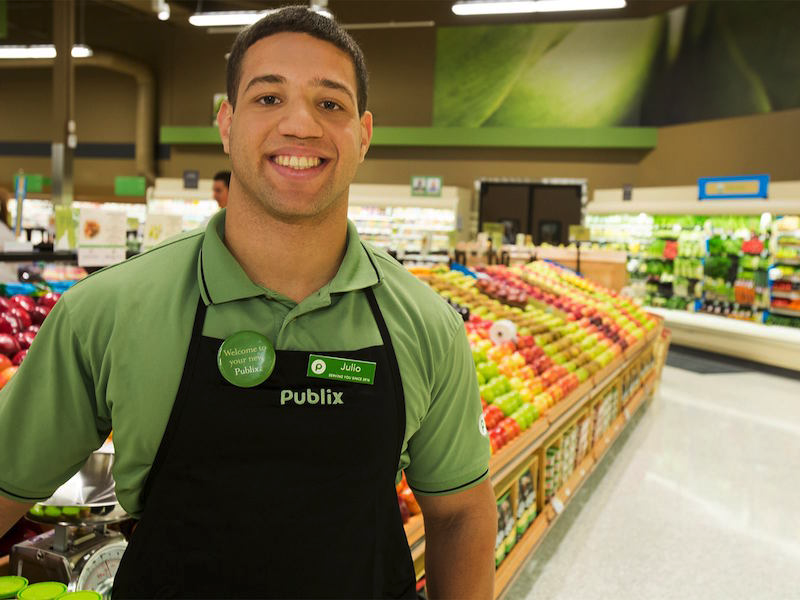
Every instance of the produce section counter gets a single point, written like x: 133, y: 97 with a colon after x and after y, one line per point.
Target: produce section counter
x: 774, y: 345
x: 642, y: 364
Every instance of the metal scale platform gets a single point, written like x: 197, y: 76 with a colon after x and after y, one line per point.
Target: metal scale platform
x: 81, y: 551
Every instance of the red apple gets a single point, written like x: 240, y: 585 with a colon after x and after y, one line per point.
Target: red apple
x: 39, y: 313
x: 49, y: 299
x: 4, y: 305
x: 25, y: 339
x: 33, y: 329
x: 9, y: 323
x: 19, y: 357
x: 8, y: 345
x: 26, y: 303
x: 23, y: 316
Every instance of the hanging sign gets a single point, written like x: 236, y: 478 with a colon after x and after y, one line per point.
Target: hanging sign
x: 426, y: 186
x: 738, y: 187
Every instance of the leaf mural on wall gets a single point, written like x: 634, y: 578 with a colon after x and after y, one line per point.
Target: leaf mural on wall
x: 594, y: 77
x: 476, y: 68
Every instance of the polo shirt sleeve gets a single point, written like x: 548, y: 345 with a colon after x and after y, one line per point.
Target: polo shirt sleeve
x: 449, y: 453
x: 49, y: 419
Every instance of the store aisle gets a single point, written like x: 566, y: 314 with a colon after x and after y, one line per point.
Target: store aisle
x: 699, y: 499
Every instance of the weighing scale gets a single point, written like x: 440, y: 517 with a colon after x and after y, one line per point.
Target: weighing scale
x: 81, y: 551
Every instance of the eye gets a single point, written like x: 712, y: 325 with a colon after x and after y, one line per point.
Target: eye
x: 330, y: 105
x: 268, y: 100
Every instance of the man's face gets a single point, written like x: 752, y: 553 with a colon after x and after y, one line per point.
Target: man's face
x: 220, y: 191
x: 295, y: 139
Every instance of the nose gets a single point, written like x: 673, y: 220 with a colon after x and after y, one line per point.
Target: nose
x: 299, y: 120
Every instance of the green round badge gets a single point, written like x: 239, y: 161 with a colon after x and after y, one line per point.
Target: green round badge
x: 246, y: 359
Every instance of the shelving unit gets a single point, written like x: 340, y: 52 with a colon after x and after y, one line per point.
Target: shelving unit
x: 637, y: 370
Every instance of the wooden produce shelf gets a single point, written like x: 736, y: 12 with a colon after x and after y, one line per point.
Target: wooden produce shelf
x: 512, y: 458
x: 525, y: 545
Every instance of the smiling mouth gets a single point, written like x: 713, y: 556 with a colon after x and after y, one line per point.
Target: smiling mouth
x: 298, y: 163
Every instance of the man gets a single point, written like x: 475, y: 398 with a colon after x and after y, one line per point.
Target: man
x: 261, y: 473
x: 220, y: 187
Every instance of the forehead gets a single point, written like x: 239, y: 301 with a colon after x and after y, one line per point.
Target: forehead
x: 297, y: 57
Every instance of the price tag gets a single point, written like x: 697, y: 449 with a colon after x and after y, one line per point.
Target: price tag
x: 557, y: 505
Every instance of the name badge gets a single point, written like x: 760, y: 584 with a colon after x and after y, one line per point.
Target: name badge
x: 246, y: 359
x: 341, y: 369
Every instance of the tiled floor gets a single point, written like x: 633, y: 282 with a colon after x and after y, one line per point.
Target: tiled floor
x: 700, y: 498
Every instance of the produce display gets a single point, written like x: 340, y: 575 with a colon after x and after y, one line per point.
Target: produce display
x: 567, y: 328
x: 785, y: 300
x: 714, y: 264
x: 20, y: 319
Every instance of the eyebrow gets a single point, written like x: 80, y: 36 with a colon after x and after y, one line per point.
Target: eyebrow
x: 319, y: 82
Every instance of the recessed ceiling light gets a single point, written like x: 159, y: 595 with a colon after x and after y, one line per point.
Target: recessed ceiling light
x: 41, y: 51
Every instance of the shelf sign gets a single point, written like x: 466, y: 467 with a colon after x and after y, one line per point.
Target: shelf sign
x: 738, y: 187
x: 101, y: 237
x: 579, y: 233
x: 424, y: 185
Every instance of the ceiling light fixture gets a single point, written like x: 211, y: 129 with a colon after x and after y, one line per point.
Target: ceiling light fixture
x: 227, y: 18
x: 164, y: 12
x: 510, y: 7
x: 41, y: 51
x: 242, y: 18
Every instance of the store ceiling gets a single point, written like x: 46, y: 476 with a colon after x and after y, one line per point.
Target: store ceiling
x: 438, y: 11
x: 30, y: 21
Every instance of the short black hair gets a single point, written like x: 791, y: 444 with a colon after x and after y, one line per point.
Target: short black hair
x: 296, y: 19
x: 224, y: 176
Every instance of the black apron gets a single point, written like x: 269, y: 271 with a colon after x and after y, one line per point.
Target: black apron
x: 252, y: 498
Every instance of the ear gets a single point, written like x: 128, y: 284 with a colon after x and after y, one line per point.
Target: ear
x: 366, y: 133
x: 224, y: 119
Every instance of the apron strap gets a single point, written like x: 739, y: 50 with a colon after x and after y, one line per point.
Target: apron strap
x: 181, y: 397
x: 396, y: 379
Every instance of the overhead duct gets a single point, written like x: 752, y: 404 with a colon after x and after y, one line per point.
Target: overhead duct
x: 145, y: 99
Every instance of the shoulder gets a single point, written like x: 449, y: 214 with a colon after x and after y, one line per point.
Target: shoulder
x: 152, y: 277
x: 410, y: 304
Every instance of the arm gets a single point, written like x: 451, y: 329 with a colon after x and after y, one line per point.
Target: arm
x: 460, y: 532
x: 10, y: 512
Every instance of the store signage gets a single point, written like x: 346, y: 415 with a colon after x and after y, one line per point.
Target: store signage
x: 426, y: 185
x: 67, y: 220
x: 191, y: 180
x: 129, y: 186
x: 101, y: 237
x: 579, y: 233
x: 738, y: 187
x: 34, y: 182
x: 159, y: 227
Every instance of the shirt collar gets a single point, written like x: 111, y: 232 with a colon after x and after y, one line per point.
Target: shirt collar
x: 222, y: 279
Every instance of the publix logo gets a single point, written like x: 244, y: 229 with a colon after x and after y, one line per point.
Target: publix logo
x: 318, y: 367
x: 322, y: 397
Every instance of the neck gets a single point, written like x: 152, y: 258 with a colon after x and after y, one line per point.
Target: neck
x: 294, y: 259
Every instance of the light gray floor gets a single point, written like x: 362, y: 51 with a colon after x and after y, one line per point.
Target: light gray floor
x: 699, y: 499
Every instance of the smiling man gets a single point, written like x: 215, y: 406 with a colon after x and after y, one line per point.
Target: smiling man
x: 273, y: 377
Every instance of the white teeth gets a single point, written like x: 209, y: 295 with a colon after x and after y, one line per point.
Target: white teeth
x: 297, y: 162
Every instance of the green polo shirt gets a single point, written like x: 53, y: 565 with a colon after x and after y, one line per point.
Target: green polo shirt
x: 112, y: 351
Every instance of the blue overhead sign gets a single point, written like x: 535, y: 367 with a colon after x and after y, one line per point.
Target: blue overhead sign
x: 740, y: 186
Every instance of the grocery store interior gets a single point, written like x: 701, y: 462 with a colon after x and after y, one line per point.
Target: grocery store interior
x: 608, y: 192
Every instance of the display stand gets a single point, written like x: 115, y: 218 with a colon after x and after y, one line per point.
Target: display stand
x: 632, y: 377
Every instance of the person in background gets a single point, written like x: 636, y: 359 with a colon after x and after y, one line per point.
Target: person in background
x: 222, y: 182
